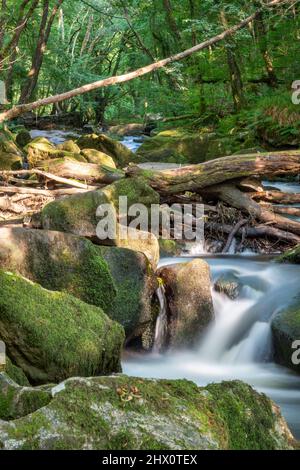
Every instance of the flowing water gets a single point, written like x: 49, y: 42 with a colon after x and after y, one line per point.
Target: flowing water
x: 238, y: 345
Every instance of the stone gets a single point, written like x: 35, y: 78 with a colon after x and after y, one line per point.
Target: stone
x: 128, y: 413
x: 190, y: 305
x: 52, y: 335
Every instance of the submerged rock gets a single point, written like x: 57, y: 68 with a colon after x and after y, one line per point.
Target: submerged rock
x: 127, y: 413
x: 229, y: 286
x: 120, y: 154
x: 286, y: 336
x: 188, y: 290
x: 52, y: 335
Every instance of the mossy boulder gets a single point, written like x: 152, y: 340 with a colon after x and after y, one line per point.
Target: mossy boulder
x: 59, y: 262
x: 100, y: 158
x: 23, y: 138
x: 77, y: 214
x: 11, y: 157
x: 286, y: 335
x: 10, y: 161
x: 115, y: 149
x: 133, y: 128
x: 52, y: 335
x: 229, y: 285
x: 182, y: 147
x: 17, y: 401
x: 135, y: 285
x: 127, y: 413
x: 170, y: 247
x: 190, y: 305
x: 41, y: 149
x: 120, y: 281
x: 16, y: 374
x: 69, y: 146
x: 290, y: 256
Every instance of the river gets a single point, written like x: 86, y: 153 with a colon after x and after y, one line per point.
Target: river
x: 238, y: 344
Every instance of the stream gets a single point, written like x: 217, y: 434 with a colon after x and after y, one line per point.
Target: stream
x: 238, y: 345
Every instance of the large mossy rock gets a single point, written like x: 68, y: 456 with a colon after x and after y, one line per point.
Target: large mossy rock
x: 77, y: 214
x: 69, y: 146
x: 52, y: 335
x: 17, y: 401
x: 100, y: 158
x: 59, y: 262
x: 127, y: 413
x: 188, y: 290
x: 286, y: 336
x: 11, y: 157
x: 182, y: 147
x: 135, y: 285
x: 120, y: 154
x: 15, y: 373
x: 118, y: 280
x: 40, y: 150
x: 290, y: 256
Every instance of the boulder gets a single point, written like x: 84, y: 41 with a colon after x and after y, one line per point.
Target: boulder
x: 290, y: 256
x: 170, y: 247
x: 69, y: 146
x: 132, y: 129
x: 11, y: 157
x: 135, y: 284
x: 127, y: 413
x: 100, y: 158
x: 59, y: 262
x: 15, y: 373
x: 23, y: 138
x: 118, y: 280
x: 120, y: 154
x: 190, y: 305
x: 17, y: 401
x: 182, y: 147
x: 228, y: 285
x: 77, y: 214
x: 41, y: 149
x: 52, y: 335
x: 286, y: 335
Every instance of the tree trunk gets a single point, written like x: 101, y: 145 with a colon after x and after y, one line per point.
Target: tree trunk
x: 195, y: 178
x: 171, y: 20
x: 37, y: 61
x: 24, y: 108
x: 261, y: 34
x: 234, y: 69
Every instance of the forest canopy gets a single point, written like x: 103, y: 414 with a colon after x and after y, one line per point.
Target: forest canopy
x: 48, y: 47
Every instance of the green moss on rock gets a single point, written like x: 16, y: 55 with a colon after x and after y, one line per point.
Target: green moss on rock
x: 120, y: 154
x: 59, y: 262
x: 290, y: 256
x: 286, y: 331
x: 52, y: 335
x: 125, y: 413
x: 17, y: 401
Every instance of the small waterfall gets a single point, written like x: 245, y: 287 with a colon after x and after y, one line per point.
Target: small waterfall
x: 162, y: 320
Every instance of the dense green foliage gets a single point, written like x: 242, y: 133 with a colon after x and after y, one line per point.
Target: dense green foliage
x: 93, y: 39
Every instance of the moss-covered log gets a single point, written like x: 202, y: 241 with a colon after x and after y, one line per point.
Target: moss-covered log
x: 197, y: 177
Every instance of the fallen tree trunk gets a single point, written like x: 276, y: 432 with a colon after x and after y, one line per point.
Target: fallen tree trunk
x: 235, y: 198
x: 195, y: 178
x: 41, y: 192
